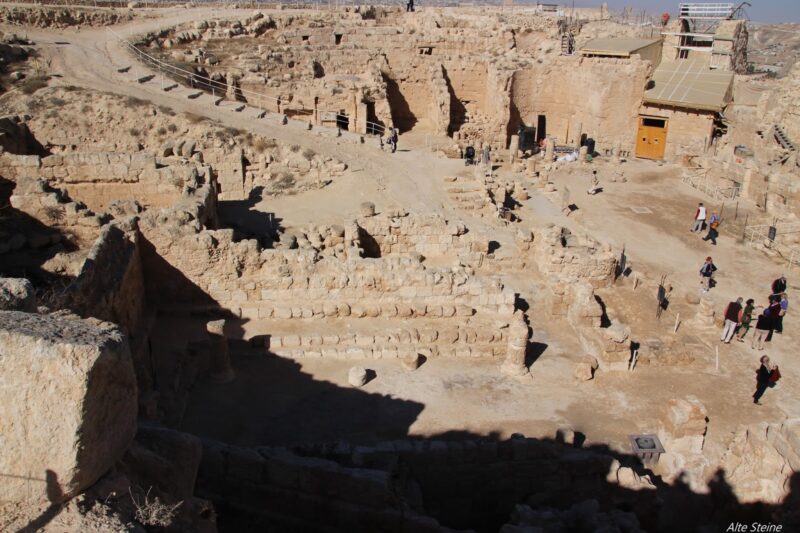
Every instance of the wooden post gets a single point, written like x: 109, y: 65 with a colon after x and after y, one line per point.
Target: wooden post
x: 716, y: 361
x: 744, y: 231
x: 677, y: 323
x: 635, y: 280
x: 736, y: 213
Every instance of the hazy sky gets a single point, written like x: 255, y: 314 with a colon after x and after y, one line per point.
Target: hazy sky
x: 761, y: 10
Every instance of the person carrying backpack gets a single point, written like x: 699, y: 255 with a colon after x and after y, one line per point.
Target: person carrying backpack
x: 713, y: 229
x: 707, y: 273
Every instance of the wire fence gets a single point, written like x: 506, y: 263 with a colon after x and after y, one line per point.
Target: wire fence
x: 257, y: 99
x: 709, y: 187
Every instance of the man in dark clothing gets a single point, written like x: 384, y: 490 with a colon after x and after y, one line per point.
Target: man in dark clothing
x: 779, y: 285
x: 732, y: 316
x: 410, y: 6
x: 763, y: 381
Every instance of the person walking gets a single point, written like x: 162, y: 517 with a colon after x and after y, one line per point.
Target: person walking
x: 410, y: 6
x: 699, y: 218
x: 784, y: 306
x: 595, y: 184
x: 713, y: 229
x: 763, y: 329
x: 707, y: 273
x: 732, y: 316
x: 745, y: 320
x: 393, y: 139
x: 779, y: 285
x: 766, y: 376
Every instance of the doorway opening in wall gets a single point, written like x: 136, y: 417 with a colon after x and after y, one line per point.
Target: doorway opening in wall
x: 338, y: 38
x: 342, y: 120
x: 541, y: 128
x: 374, y: 126
x: 527, y: 139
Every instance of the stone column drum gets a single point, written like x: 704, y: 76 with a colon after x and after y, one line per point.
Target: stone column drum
x: 518, y: 336
x: 221, y: 370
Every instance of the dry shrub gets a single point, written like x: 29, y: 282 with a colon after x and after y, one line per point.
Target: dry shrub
x: 31, y: 85
x: 261, y: 144
x: 172, y: 128
x: 132, y: 101
x: 153, y: 512
x: 134, y: 132
x: 54, y: 213
x: 309, y: 154
x: 294, y: 148
x: 194, y: 118
x: 285, y: 181
x: 161, y: 131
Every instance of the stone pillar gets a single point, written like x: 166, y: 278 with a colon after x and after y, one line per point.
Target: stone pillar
x: 513, y: 148
x: 518, y: 336
x: 361, y: 119
x: 549, y: 150
x: 221, y: 370
x: 531, y: 166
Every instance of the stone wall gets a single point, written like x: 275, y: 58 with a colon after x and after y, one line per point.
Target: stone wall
x: 97, y: 179
x: 430, y: 235
x: 110, y: 285
x: 53, y: 208
x: 58, y: 17
x: 464, y: 484
x: 596, y: 96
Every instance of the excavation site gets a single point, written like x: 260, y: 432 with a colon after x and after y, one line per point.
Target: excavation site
x: 397, y: 268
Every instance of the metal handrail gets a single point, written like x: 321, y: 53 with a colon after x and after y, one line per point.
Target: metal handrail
x: 716, y: 192
x: 193, y: 79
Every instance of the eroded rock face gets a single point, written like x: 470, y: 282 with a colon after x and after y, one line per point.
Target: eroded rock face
x: 16, y: 294
x: 67, y: 404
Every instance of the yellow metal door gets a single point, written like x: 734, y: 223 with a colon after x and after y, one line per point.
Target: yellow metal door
x: 651, y: 141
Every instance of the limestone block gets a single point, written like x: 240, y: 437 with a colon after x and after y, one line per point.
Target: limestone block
x: 71, y: 412
x: 684, y: 417
x: 357, y: 376
x: 585, y: 368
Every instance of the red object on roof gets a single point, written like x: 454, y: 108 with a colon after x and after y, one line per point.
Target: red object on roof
x: 665, y: 18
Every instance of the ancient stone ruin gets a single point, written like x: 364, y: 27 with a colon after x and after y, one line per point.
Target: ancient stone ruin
x: 362, y: 268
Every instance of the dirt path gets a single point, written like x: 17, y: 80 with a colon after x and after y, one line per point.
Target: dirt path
x: 91, y: 59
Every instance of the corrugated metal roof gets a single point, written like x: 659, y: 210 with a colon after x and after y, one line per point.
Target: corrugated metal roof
x: 689, y: 83
x: 612, y: 46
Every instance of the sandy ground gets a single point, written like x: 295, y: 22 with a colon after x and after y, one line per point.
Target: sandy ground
x: 277, y: 400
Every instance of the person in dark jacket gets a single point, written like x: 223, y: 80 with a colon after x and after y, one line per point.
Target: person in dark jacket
x: 763, y: 381
x: 707, y: 273
x: 779, y: 285
x: 764, y: 327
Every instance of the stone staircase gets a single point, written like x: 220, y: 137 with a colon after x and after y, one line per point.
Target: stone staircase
x: 788, y: 147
